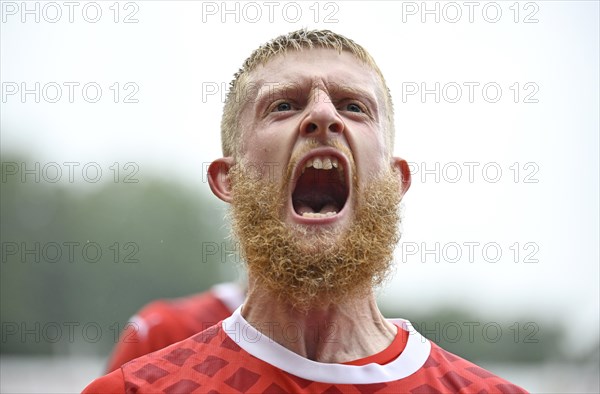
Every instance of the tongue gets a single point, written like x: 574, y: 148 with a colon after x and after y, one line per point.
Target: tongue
x: 303, y: 208
x: 328, y: 208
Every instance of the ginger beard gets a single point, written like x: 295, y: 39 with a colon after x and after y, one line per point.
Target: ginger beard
x: 308, y: 267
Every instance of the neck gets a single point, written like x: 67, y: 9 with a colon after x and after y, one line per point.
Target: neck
x: 329, y: 333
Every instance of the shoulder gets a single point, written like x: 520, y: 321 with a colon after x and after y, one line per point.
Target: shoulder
x: 187, y: 364
x: 191, y: 314
x: 163, y: 322
x: 440, y: 371
x: 197, y: 311
x: 456, y: 373
x: 164, y: 368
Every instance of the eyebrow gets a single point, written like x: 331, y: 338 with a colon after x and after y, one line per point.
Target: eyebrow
x: 266, y: 91
x: 291, y: 89
x: 347, y: 90
x: 277, y: 89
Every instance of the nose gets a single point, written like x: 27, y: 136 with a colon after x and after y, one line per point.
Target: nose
x: 322, y: 118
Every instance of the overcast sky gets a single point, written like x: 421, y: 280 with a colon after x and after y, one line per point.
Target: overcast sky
x: 503, y: 143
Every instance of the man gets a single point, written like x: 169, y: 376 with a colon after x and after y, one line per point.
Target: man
x: 164, y: 322
x: 308, y: 136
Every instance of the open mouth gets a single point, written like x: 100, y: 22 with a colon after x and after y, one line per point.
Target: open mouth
x: 321, y: 189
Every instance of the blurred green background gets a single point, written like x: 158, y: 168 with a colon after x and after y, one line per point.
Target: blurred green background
x: 150, y: 235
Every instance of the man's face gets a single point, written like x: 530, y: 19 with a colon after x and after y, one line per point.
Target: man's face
x: 315, y: 108
x: 314, y: 196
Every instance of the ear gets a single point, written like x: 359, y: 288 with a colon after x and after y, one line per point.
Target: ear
x: 404, y: 171
x: 218, y: 178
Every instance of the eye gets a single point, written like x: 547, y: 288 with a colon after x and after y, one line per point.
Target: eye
x: 281, y: 107
x: 352, y: 107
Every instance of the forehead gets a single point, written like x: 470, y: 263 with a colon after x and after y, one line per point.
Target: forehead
x: 316, y: 67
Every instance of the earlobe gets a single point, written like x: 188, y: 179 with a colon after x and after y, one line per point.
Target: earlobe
x: 218, y: 178
x: 404, y: 171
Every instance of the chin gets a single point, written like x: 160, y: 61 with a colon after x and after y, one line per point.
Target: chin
x: 317, y: 240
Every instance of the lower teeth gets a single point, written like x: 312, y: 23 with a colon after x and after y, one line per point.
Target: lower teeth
x: 318, y: 214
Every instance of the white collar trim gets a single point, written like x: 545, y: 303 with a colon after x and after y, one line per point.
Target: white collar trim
x: 261, y: 346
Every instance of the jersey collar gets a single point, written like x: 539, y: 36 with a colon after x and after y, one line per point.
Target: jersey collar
x: 264, y: 348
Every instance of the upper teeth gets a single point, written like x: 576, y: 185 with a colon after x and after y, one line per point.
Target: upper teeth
x: 323, y: 162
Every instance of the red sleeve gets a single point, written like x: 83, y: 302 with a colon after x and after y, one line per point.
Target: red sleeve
x: 134, y: 341
x: 108, y: 384
x: 162, y: 323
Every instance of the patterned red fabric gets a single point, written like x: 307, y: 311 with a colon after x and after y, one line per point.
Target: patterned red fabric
x: 211, y: 362
x: 162, y: 323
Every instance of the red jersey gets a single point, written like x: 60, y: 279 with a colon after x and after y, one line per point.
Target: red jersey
x: 162, y: 323
x: 233, y: 357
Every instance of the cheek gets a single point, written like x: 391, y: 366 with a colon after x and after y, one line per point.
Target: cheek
x: 371, y: 160
x: 265, y: 162
x: 271, y: 148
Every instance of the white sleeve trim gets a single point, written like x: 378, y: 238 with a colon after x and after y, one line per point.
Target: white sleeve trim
x: 413, y: 357
x: 230, y: 294
x: 140, y: 326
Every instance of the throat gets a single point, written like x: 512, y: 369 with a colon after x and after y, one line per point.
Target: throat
x: 333, y: 334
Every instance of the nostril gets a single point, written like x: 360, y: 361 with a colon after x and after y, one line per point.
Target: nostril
x: 336, y: 127
x: 311, y: 127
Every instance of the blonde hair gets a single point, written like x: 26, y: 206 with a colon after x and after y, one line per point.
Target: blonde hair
x: 293, y: 41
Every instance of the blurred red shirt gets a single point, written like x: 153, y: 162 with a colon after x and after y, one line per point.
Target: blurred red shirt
x: 164, y: 322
